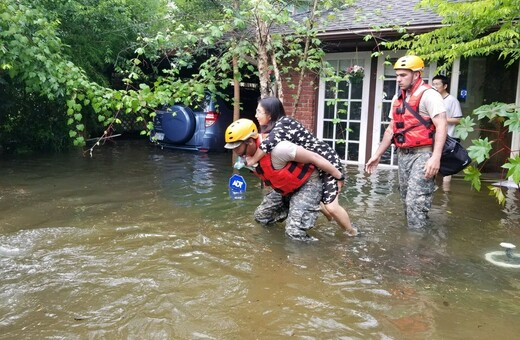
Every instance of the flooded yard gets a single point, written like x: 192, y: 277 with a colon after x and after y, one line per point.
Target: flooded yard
x: 143, y: 243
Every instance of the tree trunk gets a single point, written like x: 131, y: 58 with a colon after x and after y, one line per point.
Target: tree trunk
x: 262, y: 34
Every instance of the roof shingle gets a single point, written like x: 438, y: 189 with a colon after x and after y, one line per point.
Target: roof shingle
x: 372, y: 15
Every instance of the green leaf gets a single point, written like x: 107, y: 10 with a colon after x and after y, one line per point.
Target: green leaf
x: 489, y: 111
x: 513, y: 166
x: 479, y: 151
x: 513, y: 120
x: 80, y: 141
x: 498, y: 193
x: 465, y: 127
x: 472, y: 175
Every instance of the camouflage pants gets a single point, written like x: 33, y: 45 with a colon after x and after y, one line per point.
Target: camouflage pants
x: 416, y: 191
x: 300, y: 209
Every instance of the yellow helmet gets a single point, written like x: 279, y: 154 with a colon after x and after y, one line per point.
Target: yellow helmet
x: 239, y: 131
x: 409, y: 62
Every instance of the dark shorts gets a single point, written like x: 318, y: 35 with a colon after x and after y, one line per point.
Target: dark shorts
x: 330, y: 188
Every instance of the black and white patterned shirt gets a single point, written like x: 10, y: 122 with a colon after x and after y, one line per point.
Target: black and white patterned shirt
x: 289, y: 129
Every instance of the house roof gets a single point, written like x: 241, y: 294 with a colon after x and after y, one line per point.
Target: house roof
x: 381, y: 18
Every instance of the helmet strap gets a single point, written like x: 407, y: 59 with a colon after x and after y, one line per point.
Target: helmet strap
x: 412, y: 84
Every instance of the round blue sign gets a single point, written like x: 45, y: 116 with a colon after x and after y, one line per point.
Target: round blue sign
x: 237, y: 183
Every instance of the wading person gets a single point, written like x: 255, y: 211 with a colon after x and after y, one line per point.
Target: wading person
x: 290, y: 170
x: 418, y: 130
x: 277, y: 127
x: 453, y: 113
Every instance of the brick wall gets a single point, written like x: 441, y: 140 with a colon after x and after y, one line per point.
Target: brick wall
x: 307, y: 106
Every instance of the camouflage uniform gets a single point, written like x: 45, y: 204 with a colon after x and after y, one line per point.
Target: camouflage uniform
x: 300, y: 208
x: 416, y: 190
x: 289, y: 129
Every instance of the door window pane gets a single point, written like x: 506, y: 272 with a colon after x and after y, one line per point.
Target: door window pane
x: 343, y: 89
x: 330, y: 89
x: 353, y: 152
x: 340, y: 149
x: 328, y: 111
x: 328, y: 130
x: 341, y: 131
x: 357, y: 89
x: 385, y: 112
x: 342, y: 110
x: 389, y: 88
x: 354, y: 134
x: 355, y: 111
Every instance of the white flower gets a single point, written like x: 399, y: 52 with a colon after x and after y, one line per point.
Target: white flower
x: 356, y: 71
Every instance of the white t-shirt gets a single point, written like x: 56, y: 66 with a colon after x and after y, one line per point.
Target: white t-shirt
x: 282, y: 153
x: 431, y: 104
x: 452, y: 111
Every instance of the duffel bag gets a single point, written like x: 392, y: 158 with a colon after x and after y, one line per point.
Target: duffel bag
x: 454, y: 157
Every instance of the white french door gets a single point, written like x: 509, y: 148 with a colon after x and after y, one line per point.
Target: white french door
x: 343, y: 106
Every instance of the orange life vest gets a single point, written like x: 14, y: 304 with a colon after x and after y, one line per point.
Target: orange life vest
x: 409, y: 131
x: 285, y: 180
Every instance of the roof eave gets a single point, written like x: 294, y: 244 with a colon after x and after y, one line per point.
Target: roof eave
x: 353, y: 34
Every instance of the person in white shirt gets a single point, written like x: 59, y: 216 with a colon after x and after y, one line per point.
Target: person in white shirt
x: 453, y: 110
x: 453, y: 113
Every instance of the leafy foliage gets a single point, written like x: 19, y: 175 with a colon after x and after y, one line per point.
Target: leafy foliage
x: 101, y: 34
x: 35, y: 63
x: 513, y: 168
x: 505, y: 117
x: 60, y: 51
x: 472, y: 174
x: 479, y: 151
x: 465, y: 127
x: 497, y: 192
x: 44, y: 129
x: 471, y: 28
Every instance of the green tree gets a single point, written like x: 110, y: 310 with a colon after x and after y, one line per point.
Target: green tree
x: 38, y: 39
x: 102, y: 34
x: 45, y: 56
x: 476, y: 28
x: 53, y: 51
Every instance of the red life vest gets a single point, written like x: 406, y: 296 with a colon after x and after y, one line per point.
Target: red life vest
x: 410, y: 132
x: 285, y: 180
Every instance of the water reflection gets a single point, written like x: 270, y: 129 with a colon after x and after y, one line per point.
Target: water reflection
x: 145, y: 243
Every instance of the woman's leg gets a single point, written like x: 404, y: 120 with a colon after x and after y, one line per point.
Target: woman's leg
x: 325, y: 212
x: 340, y: 215
x: 331, y: 204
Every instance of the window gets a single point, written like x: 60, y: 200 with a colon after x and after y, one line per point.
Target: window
x: 342, y: 116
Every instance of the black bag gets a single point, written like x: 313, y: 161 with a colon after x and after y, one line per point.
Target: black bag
x: 454, y: 157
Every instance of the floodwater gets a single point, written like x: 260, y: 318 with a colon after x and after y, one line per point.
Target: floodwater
x: 143, y: 243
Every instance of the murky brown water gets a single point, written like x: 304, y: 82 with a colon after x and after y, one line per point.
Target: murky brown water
x: 143, y: 243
